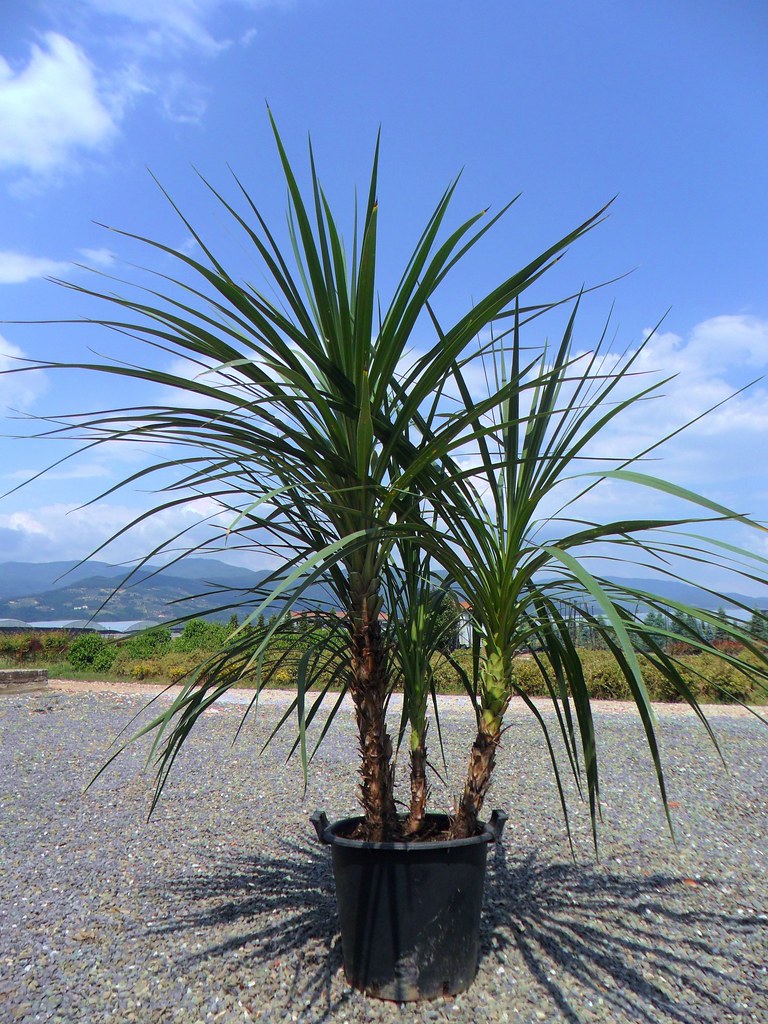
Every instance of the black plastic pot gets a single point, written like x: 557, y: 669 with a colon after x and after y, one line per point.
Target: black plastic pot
x: 409, y: 912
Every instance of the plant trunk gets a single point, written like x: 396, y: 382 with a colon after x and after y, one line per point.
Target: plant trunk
x: 419, y: 789
x: 368, y: 687
x: 495, y: 690
x: 482, y: 760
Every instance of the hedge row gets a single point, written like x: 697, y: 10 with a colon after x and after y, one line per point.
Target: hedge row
x: 709, y: 678
x: 155, y: 656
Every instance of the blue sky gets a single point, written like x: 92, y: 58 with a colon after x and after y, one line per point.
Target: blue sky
x: 664, y: 104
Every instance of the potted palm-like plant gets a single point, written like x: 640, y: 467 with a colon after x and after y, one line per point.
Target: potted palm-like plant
x: 374, y: 468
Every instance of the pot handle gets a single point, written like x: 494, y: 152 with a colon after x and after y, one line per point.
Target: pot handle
x: 496, y: 823
x: 320, y: 823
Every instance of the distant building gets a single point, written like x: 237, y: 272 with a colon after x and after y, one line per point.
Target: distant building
x: 465, y: 630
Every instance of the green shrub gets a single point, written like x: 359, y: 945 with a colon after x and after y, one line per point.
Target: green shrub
x: 528, y: 676
x: 201, y: 635
x: 55, y: 644
x: 300, y: 639
x: 659, y: 687
x: 174, y: 667
x: 37, y: 646
x: 164, y: 668
x: 91, y: 651
x: 717, y: 681
x: 19, y: 646
x: 148, y: 644
x: 447, y: 679
x: 604, y: 680
x: 8, y: 645
x: 603, y: 676
x: 139, y: 669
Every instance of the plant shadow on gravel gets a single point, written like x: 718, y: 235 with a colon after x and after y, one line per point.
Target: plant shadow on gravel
x: 642, y: 943
x: 267, y: 910
x: 652, y: 947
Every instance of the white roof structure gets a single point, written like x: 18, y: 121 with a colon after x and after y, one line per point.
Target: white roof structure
x: 130, y: 626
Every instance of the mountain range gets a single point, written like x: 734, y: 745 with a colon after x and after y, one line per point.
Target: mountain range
x: 39, y: 591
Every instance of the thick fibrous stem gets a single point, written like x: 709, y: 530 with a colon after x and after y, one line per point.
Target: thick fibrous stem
x: 419, y: 790
x: 368, y: 687
x: 482, y: 760
x: 495, y: 690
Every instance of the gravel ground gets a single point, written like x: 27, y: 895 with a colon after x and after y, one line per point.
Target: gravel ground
x: 222, y: 908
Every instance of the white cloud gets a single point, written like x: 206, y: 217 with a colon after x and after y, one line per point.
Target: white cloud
x: 188, y: 245
x: 62, y: 531
x: 157, y: 44
x: 188, y: 369
x: 61, y: 105
x: 719, y: 456
x: 228, y: 380
x: 98, y: 257
x: 710, y: 365
x: 178, y: 24
x: 170, y: 24
x: 183, y: 100
x: 51, y: 109
x: 18, y: 390
x: 726, y: 342
x: 85, y: 471
x: 18, y: 267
